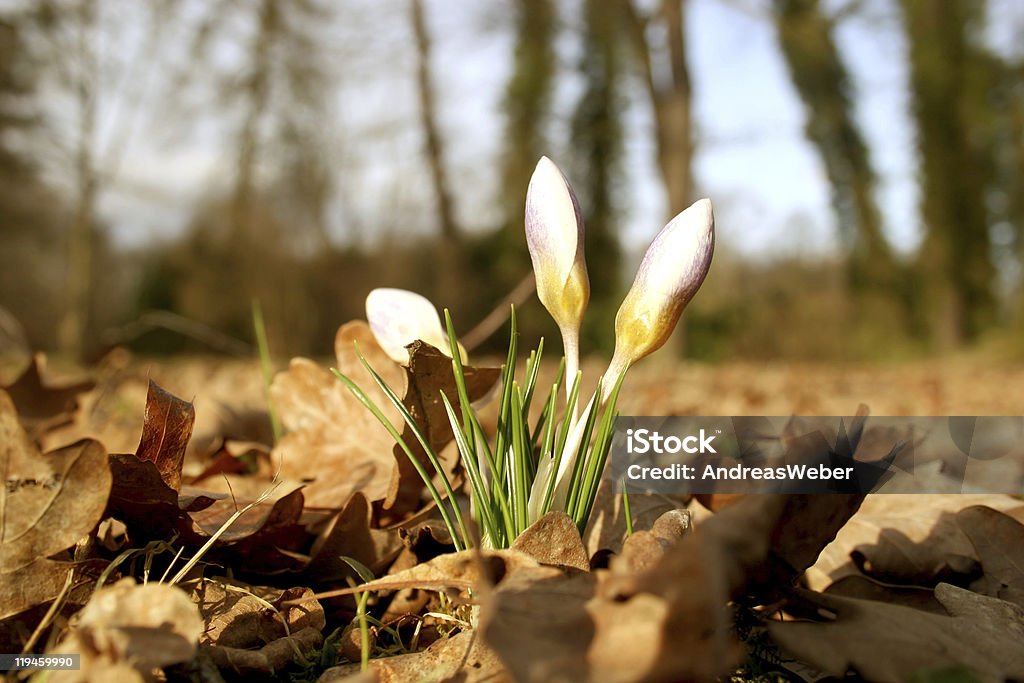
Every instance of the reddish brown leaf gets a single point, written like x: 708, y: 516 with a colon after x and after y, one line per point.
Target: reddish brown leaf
x: 166, y: 430
x: 428, y: 375
x: 48, y: 501
x: 348, y: 534
x: 263, y: 519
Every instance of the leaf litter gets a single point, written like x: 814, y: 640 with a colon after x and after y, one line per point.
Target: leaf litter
x: 880, y: 587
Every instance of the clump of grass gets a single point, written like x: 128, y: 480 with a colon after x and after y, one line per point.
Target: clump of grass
x: 553, y: 463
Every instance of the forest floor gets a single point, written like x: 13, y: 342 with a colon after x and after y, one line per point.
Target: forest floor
x: 97, y: 539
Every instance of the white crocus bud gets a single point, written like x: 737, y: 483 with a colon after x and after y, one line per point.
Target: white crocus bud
x: 399, y: 317
x: 670, y: 274
x: 554, y: 233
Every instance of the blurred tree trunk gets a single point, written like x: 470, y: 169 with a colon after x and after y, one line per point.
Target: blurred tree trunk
x: 670, y: 91
x: 256, y: 91
x: 955, y: 261
x: 527, y: 100
x: 448, y: 258
x: 670, y: 94
x: 81, y: 237
x: 501, y: 260
x: 823, y: 83
x: 597, y: 148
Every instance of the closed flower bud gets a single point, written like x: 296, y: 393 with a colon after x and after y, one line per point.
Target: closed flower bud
x: 554, y: 233
x: 670, y: 274
x: 399, y: 317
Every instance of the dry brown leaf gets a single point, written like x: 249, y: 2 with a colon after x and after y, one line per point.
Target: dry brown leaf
x: 268, y: 660
x: 998, y: 540
x: 866, y: 588
x: 765, y: 542
x: 166, y: 430
x: 643, y: 549
x: 883, y: 642
x: 459, y: 571
x: 461, y: 658
x: 554, y: 540
x: 333, y: 441
x: 244, y: 617
x: 537, y: 621
x: 888, y: 536
x: 284, y: 511
x: 607, y: 527
x: 141, y: 498
x: 428, y: 375
x: 49, y: 501
x: 546, y: 626
x: 128, y: 630
x: 31, y: 585
x: 348, y: 534
x: 42, y: 406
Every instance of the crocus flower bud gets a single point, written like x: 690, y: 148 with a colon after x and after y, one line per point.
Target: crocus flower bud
x: 399, y: 317
x: 554, y: 233
x: 670, y: 274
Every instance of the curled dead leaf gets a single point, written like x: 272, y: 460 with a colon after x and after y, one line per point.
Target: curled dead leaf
x: 166, y: 430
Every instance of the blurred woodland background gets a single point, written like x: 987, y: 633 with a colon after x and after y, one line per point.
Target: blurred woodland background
x: 165, y: 163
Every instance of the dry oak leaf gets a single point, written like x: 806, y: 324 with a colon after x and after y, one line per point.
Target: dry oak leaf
x: 998, y: 540
x: 882, y: 642
x: 268, y: 660
x: 333, y: 441
x: 348, y: 533
x: 548, y: 626
x: 127, y: 631
x: 42, y: 581
x: 461, y: 658
x: 42, y: 406
x: 554, y: 539
x: 48, y: 501
x: 245, y: 617
x: 428, y: 375
x: 886, y: 540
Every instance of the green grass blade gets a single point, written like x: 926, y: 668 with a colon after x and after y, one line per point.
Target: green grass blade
x: 423, y: 441
x: 483, y: 501
x: 266, y: 366
x: 598, y: 457
x: 579, y: 464
x: 427, y: 481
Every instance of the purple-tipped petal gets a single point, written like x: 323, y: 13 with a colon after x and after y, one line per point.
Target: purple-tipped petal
x: 670, y: 274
